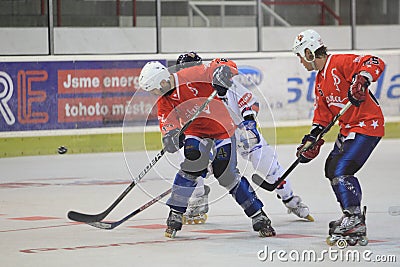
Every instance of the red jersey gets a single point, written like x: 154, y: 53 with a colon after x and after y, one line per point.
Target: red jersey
x: 192, y: 88
x: 331, y: 86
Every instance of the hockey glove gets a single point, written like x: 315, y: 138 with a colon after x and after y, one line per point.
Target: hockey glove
x: 172, y: 142
x: 358, y: 89
x: 304, y: 151
x: 222, y: 79
x: 250, y: 135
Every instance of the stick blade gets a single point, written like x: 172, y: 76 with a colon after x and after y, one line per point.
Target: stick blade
x: 258, y: 180
x: 86, y: 218
x: 103, y: 225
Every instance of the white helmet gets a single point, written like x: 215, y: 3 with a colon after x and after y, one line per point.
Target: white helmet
x: 152, y: 74
x: 307, y: 39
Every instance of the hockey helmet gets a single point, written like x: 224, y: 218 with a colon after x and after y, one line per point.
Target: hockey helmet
x: 152, y: 74
x: 307, y: 39
x: 230, y: 63
x: 188, y: 60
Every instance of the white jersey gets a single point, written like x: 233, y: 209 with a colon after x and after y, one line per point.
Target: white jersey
x: 241, y: 102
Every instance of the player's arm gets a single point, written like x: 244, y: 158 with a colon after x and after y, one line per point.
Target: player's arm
x: 248, y: 107
x: 249, y: 134
x: 363, y: 74
x: 246, y: 101
x: 169, y: 126
x: 321, y: 115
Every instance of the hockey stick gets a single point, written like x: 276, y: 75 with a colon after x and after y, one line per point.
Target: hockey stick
x: 257, y: 179
x: 112, y: 225
x: 89, y: 218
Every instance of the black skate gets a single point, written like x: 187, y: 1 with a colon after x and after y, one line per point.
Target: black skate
x: 334, y: 224
x: 262, y: 225
x: 349, y: 230
x: 174, y: 223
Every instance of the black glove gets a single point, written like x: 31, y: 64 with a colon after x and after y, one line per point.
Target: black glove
x: 172, y: 142
x: 222, y: 79
x: 358, y: 89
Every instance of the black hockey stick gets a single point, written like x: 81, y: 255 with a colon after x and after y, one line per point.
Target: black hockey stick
x: 112, y: 225
x: 89, y: 218
x: 257, y: 179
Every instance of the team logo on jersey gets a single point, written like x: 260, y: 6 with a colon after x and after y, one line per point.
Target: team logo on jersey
x: 249, y: 76
x: 193, y: 89
x: 336, y: 79
x: 245, y: 99
x: 335, y: 100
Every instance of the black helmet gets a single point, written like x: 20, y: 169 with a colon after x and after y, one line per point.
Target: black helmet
x: 188, y: 60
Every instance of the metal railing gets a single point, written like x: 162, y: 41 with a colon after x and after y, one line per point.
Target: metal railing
x: 194, y: 8
x: 324, y: 8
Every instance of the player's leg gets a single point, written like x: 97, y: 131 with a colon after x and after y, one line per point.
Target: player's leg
x: 265, y: 162
x: 226, y: 172
x: 347, y: 157
x: 193, y: 166
x: 196, y: 212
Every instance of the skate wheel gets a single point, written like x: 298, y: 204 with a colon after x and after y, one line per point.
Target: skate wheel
x: 189, y: 221
x: 352, y: 242
x: 198, y: 219
x: 186, y: 220
x: 363, y: 241
x: 266, y: 233
x: 170, y: 233
x: 310, y: 218
x: 201, y: 220
x: 330, y: 241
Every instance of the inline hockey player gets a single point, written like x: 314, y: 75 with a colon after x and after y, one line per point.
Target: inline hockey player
x: 252, y: 146
x: 342, y: 78
x: 180, y: 96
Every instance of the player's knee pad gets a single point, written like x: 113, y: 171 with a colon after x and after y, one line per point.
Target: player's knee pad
x: 336, y: 166
x: 347, y: 190
x: 182, y: 189
x: 330, y: 166
x: 196, y: 157
x: 226, y: 175
x: 222, y: 160
x: 246, y: 197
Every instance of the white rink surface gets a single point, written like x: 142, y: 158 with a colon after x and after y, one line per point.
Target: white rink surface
x: 37, y: 192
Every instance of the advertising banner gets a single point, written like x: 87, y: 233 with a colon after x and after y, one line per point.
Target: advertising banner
x: 87, y: 94
x: 72, y: 95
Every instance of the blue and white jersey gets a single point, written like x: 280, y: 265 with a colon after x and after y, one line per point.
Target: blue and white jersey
x: 240, y: 101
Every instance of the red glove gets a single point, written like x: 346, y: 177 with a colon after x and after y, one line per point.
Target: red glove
x: 358, y: 89
x: 309, y: 153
